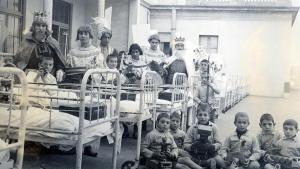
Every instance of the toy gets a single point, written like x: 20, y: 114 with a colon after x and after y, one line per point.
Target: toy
x: 203, y: 149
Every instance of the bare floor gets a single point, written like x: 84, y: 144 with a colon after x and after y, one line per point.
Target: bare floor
x: 281, y: 108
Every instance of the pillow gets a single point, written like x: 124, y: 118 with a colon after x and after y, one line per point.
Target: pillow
x: 129, y: 106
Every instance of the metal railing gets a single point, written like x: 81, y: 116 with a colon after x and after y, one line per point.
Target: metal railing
x: 272, y: 3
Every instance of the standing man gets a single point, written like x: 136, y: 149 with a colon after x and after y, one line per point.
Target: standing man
x: 38, y: 43
x: 104, y: 37
x: 154, y: 53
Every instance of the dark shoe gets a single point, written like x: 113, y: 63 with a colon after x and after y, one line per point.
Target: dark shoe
x: 125, y: 135
x: 89, y: 151
x: 55, y: 150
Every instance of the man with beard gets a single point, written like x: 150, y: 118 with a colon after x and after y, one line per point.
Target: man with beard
x: 38, y: 43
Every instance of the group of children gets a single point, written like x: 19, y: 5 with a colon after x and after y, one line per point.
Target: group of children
x: 201, y: 147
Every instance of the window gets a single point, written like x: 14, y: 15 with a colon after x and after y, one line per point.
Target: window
x: 209, y: 43
x: 61, y: 24
x: 165, y: 47
x: 11, y: 16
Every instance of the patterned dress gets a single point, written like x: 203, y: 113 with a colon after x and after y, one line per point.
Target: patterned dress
x: 85, y: 57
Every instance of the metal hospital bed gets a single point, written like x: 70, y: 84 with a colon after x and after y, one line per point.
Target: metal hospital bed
x: 173, y: 97
x: 53, y: 113
x: 143, y: 107
x: 7, y: 79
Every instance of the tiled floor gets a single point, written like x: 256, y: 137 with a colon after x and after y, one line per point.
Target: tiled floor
x: 281, y: 108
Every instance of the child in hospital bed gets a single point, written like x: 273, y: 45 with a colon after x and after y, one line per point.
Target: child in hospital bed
x: 42, y: 78
x: 112, y: 63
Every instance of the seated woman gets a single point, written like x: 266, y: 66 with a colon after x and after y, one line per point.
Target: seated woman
x: 83, y: 57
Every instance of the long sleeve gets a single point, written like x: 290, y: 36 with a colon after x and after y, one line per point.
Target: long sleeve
x: 256, y: 153
x: 225, y: 147
x: 144, y: 146
x: 188, y: 139
x: 216, y: 138
x: 174, y: 148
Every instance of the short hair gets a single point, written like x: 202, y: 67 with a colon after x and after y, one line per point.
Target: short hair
x: 203, y: 107
x: 205, y: 61
x: 291, y: 122
x: 266, y: 116
x: 241, y: 114
x: 155, y: 36
x: 175, y: 115
x: 135, y: 46
x: 163, y: 115
x: 40, y: 59
x: 112, y: 55
x: 84, y: 28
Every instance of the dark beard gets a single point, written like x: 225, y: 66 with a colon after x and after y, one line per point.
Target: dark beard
x: 40, y: 36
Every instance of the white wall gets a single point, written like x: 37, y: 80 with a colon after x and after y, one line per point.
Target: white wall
x: 256, y: 44
x: 78, y: 15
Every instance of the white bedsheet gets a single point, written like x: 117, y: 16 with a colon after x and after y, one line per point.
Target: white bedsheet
x: 39, y: 118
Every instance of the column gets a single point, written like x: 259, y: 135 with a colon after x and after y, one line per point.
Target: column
x: 48, y: 8
x: 101, y: 8
x: 134, y: 17
x: 173, y: 27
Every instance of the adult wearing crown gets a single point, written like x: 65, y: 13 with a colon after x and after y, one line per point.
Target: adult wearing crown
x: 38, y: 43
x: 181, y: 61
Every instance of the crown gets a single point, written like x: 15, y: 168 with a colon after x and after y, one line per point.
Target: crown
x: 40, y: 17
x: 179, y: 39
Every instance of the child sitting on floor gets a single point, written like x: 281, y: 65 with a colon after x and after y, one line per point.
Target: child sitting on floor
x: 202, y: 140
x: 179, y: 135
x: 159, y: 146
x: 240, y: 148
x: 289, y: 145
x: 268, y: 136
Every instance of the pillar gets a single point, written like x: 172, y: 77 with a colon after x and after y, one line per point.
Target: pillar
x: 173, y: 27
x: 101, y: 8
x: 134, y: 17
x: 48, y: 8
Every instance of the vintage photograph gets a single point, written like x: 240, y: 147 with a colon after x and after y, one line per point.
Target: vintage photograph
x: 149, y: 84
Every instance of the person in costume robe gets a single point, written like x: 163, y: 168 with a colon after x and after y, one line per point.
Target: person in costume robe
x: 105, y: 48
x: 154, y: 53
x: 38, y: 43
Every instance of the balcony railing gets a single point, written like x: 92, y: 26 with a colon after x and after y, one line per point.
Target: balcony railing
x: 271, y: 3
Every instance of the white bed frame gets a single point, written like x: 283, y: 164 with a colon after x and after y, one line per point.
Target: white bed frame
x: 23, y: 106
x: 103, y: 89
x: 148, y: 90
x: 178, y: 100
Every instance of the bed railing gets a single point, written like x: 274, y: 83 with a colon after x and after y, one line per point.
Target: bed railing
x: 94, y: 101
x: 178, y: 91
x: 145, y: 95
x: 7, y: 79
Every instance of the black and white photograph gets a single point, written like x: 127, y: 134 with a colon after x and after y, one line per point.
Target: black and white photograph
x: 149, y: 84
